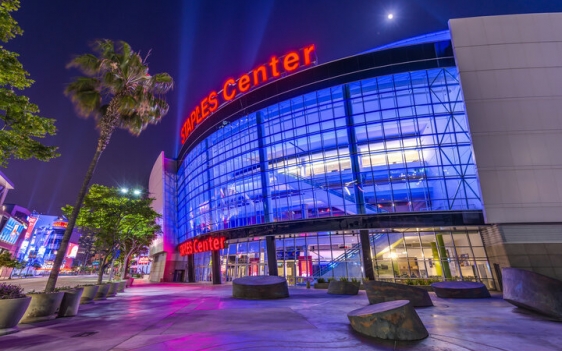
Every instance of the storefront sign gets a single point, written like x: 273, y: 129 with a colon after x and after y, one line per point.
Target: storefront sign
x: 274, y: 69
x: 201, y: 245
x: 59, y: 224
x: 31, y: 220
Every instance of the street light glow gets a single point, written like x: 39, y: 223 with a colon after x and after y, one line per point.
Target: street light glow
x: 136, y: 192
x: 390, y: 16
x: 124, y: 190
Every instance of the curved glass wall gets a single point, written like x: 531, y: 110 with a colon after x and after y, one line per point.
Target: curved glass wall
x: 397, y: 143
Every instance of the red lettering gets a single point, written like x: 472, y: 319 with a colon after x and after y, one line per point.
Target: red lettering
x: 291, y: 61
x: 225, y: 94
x: 261, y: 69
x: 244, y: 83
x: 213, y: 103
x: 201, y: 245
x: 231, y: 88
x: 183, y: 134
x: 205, y: 108
x: 307, y: 52
x: 274, y: 69
x: 198, y: 116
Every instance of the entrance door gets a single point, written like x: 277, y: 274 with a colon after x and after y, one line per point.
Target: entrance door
x: 178, y: 275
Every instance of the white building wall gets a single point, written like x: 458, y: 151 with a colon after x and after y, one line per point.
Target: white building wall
x: 511, y: 74
x: 161, y: 186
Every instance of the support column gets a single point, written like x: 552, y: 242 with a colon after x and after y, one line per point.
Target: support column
x: 271, y: 255
x: 358, y: 185
x: 353, y: 155
x: 264, y: 172
x: 190, y: 268
x: 216, y: 266
x: 366, y: 250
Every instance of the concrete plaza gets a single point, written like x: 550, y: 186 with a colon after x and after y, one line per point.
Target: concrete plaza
x: 205, y: 317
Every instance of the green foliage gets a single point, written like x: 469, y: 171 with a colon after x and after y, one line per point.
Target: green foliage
x: 63, y: 288
x: 10, y: 291
x: 7, y: 261
x: 331, y: 279
x: 20, y: 126
x: 356, y: 281
x: 116, y: 222
x: 321, y: 280
x: 117, y: 89
x: 343, y: 279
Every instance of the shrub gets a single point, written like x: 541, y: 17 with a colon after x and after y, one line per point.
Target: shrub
x: 321, y: 280
x: 343, y: 279
x: 355, y: 281
x: 331, y: 279
x: 62, y: 288
x: 10, y: 291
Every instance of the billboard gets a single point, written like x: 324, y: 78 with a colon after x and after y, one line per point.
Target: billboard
x: 11, y: 231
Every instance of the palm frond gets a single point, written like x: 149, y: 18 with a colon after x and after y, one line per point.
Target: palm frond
x: 87, y: 63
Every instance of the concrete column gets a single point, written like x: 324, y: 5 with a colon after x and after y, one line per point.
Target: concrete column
x: 190, y: 268
x: 216, y: 266
x: 366, y: 251
x: 264, y: 172
x: 271, y: 255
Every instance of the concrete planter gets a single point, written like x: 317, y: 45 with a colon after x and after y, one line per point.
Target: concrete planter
x: 102, y: 292
x: 122, y: 285
x: 43, y: 307
x: 11, y: 311
x: 113, y: 287
x: 70, y: 302
x: 337, y: 287
x: 321, y: 285
x: 89, y: 294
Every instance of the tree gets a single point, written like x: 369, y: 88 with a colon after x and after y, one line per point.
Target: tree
x: 7, y: 261
x: 119, y: 93
x: 20, y: 124
x: 117, y: 223
x: 138, y: 231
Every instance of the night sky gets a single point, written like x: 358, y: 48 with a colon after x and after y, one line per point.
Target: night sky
x: 200, y: 44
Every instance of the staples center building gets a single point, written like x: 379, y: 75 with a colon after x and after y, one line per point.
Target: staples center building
x: 434, y: 158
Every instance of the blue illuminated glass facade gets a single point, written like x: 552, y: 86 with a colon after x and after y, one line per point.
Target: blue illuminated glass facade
x: 390, y: 144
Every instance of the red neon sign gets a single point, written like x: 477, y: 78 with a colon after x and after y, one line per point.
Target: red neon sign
x: 246, y: 82
x: 32, y: 220
x: 202, y: 245
x: 60, y: 224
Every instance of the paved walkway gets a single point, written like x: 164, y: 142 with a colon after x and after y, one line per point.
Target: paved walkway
x: 206, y: 317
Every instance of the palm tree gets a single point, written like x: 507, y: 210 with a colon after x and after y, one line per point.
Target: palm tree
x: 118, y: 92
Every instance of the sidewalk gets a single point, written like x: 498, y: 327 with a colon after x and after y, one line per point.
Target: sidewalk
x: 176, y: 316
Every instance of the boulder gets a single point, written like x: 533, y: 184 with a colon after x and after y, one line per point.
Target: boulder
x: 260, y: 287
x: 460, y: 290
x: 532, y: 291
x: 378, y: 292
x: 337, y: 287
x: 393, y: 320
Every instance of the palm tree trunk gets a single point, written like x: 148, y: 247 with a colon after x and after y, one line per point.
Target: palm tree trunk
x: 52, y: 281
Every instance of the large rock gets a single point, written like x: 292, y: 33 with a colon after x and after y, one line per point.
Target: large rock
x: 378, y: 292
x: 460, y: 290
x: 337, y: 287
x: 260, y: 287
x: 532, y: 291
x: 394, y: 320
